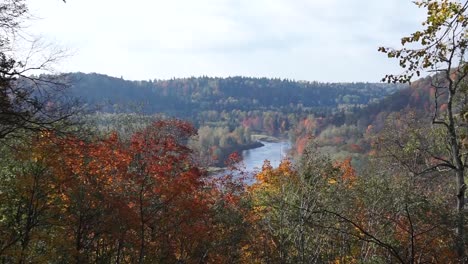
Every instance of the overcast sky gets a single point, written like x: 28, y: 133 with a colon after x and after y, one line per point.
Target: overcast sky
x: 314, y: 40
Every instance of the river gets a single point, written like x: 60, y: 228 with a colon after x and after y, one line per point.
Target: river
x: 273, y: 151
x: 253, y: 159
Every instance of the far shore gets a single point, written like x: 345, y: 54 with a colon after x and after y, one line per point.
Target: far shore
x: 266, y: 138
x: 257, y: 143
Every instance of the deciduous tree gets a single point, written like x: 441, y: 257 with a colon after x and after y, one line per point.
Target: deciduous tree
x: 440, y: 48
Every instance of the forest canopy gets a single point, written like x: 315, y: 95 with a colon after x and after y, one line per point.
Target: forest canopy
x: 376, y: 172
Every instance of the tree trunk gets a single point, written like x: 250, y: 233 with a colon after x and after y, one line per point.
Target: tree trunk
x: 459, y: 175
x: 461, y: 215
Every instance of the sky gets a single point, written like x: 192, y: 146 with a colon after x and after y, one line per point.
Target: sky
x: 313, y: 40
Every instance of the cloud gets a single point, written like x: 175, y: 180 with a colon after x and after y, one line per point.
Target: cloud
x: 333, y: 40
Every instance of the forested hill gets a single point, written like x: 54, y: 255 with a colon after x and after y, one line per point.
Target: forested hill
x: 181, y: 97
x: 418, y: 97
x: 348, y: 131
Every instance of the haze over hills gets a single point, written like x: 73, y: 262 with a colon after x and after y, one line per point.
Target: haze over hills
x: 184, y: 97
x: 228, y: 111
x: 337, y: 114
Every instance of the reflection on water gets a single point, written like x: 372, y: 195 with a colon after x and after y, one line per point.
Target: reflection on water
x: 274, y: 152
x: 253, y: 160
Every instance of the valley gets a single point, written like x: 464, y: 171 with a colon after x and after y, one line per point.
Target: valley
x: 233, y: 132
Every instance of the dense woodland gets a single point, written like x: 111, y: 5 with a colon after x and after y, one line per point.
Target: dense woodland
x: 226, y: 111
x: 340, y: 129
x: 185, y: 98
x: 376, y: 174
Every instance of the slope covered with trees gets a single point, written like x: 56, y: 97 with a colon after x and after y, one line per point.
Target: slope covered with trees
x: 186, y: 97
x: 226, y: 110
x: 128, y: 188
x: 353, y: 130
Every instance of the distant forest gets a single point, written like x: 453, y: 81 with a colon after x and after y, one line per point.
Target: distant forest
x: 185, y: 97
x: 228, y: 111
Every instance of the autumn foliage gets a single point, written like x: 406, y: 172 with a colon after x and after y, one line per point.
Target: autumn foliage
x: 141, y: 201
x: 146, y: 200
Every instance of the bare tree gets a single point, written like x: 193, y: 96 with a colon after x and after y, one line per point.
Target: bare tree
x: 28, y: 102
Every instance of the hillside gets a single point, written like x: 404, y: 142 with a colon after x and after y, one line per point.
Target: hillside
x: 226, y: 111
x: 349, y: 132
x: 183, y: 97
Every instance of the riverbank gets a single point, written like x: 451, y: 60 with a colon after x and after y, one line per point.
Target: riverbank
x: 266, y: 138
x: 239, y: 148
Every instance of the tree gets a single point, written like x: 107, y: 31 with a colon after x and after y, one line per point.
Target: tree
x: 27, y: 102
x: 440, y: 48
x: 289, y: 218
x: 164, y: 185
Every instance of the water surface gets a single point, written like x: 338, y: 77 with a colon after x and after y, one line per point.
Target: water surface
x: 273, y: 151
